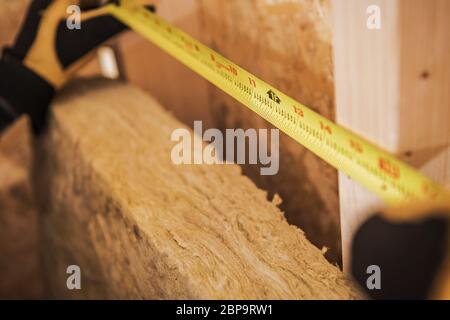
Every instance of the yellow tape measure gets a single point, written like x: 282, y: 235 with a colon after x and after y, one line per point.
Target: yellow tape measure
x: 389, y: 178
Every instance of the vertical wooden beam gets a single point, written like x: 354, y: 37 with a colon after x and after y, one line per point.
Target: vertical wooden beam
x: 392, y: 87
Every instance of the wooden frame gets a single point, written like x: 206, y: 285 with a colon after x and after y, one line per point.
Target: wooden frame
x: 392, y: 87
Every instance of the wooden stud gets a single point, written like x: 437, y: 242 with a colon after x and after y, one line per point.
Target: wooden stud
x: 392, y: 88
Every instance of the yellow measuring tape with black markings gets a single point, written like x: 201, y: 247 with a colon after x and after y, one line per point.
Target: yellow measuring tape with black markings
x: 392, y: 180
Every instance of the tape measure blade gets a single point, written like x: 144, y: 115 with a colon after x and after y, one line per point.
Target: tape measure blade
x: 390, y: 179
